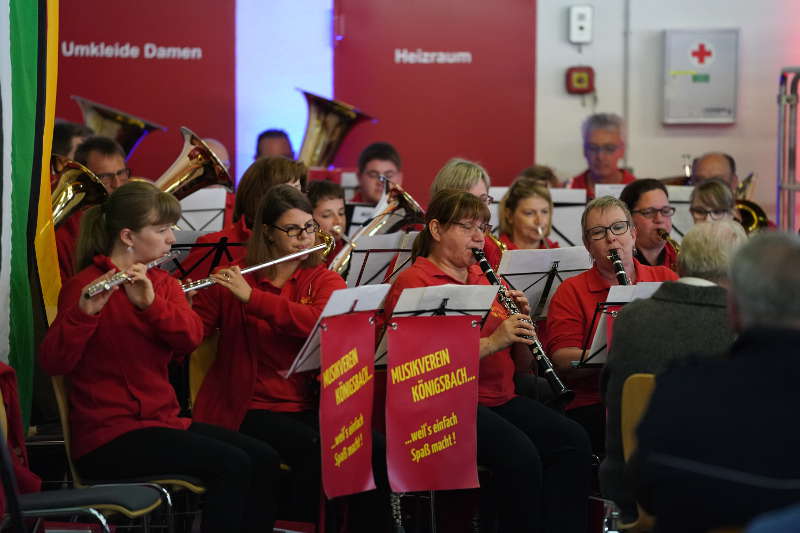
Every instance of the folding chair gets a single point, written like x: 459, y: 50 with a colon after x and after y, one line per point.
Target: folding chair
x: 131, y: 501
x: 174, y: 482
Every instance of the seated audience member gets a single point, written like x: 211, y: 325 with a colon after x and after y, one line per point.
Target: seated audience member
x: 327, y: 201
x: 718, y: 443
x: 525, y: 216
x: 106, y: 159
x: 542, y: 175
x: 648, y: 202
x: 603, y: 147
x: 711, y: 199
x: 464, y: 175
x: 259, y: 178
x: 272, y: 143
x: 682, y: 318
x: 67, y: 136
x: 716, y: 165
x: 606, y: 225
x: 539, y: 459
x: 377, y: 160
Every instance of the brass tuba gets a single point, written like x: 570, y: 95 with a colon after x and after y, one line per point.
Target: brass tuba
x: 329, y: 121
x: 77, y: 188
x: 196, y: 167
x: 124, y: 128
x: 400, y: 211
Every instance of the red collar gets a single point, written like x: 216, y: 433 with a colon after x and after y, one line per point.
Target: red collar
x: 474, y: 272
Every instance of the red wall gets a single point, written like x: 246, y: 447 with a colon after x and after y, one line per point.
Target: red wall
x: 482, y: 111
x: 196, y: 93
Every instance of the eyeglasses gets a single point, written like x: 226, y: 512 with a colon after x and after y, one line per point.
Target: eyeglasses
x: 470, y: 227
x: 598, y: 148
x: 715, y: 214
x: 374, y: 174
x: 296, y: 231
x: 650, y: 212
x: 617, y: 228
x: 124, y: 173
x: 486, y: 198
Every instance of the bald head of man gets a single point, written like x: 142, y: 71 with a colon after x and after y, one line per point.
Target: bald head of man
x: 715, y: 165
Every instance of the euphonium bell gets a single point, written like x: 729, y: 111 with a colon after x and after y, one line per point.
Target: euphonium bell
x: 77, y: 188
x: 196, y: 167
x: 751, y: 215
x: 124, y: 128
x: 329, y: 121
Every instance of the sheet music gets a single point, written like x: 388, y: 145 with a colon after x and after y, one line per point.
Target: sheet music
x: 529, y: 271
x: 618, y: 294
x: 461, y: 299
x: 342, y: 301
x: 404, y: 257
x: 568, y: 205
x: 370, y: 260
x: 682, y: 220
x: 608, y: 189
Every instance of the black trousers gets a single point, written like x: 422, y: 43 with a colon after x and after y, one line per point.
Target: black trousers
x: 296, y: 438
x: 541, y: 467
x: 240, y: 473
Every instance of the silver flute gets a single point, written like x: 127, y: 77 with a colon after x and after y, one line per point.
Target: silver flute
x: 207, y: 282
x: 121, y: 277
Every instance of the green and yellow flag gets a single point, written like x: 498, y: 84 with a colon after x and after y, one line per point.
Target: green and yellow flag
x: 29, y: 281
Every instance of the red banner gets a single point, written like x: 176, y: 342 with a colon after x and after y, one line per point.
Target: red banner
x: 345, y: 411
x: 431, y: 403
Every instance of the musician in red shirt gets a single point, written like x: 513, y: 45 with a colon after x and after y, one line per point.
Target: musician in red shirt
x: 259, y: 177
x: 263, y: 319
x: 606, y: 225
x: 327, y: 200
x: 603, y: 147
x: 525, y: 216
x: 651, y: 213
x: 106, y: 159
x: 540, y: 460
x: 114, y: 348
x: 376, y: 160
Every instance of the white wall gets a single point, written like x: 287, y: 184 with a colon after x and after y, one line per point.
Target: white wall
x: 767, y: 43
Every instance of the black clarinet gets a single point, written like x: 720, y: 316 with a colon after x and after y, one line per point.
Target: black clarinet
x: 619, y: 268
x: 545, y: 367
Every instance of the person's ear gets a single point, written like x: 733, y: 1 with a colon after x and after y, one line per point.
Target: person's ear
x: 436, y: 229
x: 126, y: 236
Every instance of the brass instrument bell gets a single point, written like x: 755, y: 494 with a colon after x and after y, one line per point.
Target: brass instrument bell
x: 77, y: 188
x: 196, y: 167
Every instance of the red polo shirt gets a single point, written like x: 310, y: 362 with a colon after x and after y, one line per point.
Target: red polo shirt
x: 667, y: 258
x: 66, y: 244
x: 582, y: 181
x: 258, y: 340
x: 237, y: 232
x: 570, y: 314
x: 496, y: 372
x: 116, y: 361
x: 505, y: 238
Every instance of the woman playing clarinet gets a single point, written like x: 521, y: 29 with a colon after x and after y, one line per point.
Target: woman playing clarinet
x: 540, y: 460
x: 113, y: 348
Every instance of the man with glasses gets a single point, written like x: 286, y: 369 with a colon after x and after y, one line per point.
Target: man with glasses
x: 606, y: 225
x: 648, y: 202
x: 106, y: 159
x: 377, y: 160
x: 603, y: 147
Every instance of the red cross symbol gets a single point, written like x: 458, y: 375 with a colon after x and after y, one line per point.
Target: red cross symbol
x: 701, y: 53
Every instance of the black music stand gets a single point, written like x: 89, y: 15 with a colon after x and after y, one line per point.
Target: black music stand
x: 218, y: 249
x: 538, y: 273
x: 595, y: 347
x: 375, y: 255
